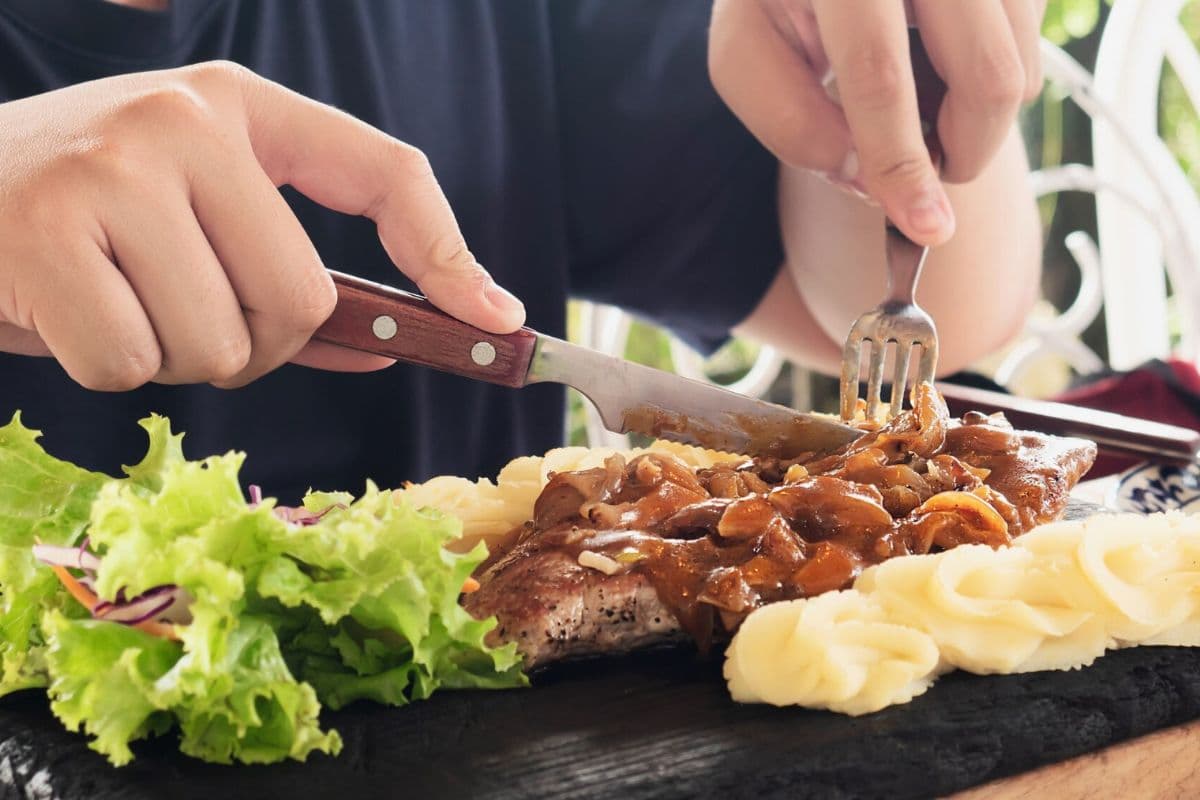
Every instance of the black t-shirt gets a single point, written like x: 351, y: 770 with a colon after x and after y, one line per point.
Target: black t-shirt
x: 580, y: 144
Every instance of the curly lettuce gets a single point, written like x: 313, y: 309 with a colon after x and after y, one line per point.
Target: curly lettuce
x: 361, y: 603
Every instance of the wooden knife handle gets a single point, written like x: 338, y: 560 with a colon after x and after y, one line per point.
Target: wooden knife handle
x: 390, y: 322
x: 1114, y: 433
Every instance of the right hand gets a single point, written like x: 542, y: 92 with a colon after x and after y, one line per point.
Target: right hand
x: 768, y: 60
x: 143, y: 236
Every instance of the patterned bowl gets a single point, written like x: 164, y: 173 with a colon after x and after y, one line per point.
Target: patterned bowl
x: 1148, y: 488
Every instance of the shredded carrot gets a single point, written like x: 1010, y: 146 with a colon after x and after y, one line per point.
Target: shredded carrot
x: 77, y: 589
x: 470, y: 585
x: 160, y: 629
x: 90, y: 601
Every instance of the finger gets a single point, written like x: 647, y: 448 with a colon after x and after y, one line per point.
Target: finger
x: 796, y: 24
x: 1025, y: 19
x: 165, y: 256
x: 875, y: 83
x: 103, y: 339
x: 21, y: 342
x: 773, y: 90
x: 972, y: 48
x: 323, y: 355
x: 345, y: 164
x: 283, y: 288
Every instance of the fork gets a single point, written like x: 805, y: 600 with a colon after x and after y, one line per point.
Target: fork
x: 898, y: 318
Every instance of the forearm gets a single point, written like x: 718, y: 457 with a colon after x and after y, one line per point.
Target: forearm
x: 978, y: 287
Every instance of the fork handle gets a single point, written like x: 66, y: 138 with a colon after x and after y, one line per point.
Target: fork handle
x: 905, y: 259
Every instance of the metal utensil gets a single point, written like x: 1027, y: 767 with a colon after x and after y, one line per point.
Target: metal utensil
x: 1113, y: 433
x: 630, y: 397
x: 898, y: 318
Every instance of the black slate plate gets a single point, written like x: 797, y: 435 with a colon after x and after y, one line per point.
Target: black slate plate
x: 658, y: 725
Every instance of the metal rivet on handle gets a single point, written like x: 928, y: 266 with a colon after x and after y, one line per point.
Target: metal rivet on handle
x: 384, y: 327
x: 483, y: 353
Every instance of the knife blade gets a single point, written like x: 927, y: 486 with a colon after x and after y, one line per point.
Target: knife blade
x: 631, y: 398
x: 1113, y: 433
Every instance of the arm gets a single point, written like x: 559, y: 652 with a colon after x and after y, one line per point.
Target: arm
x: 978, y: 287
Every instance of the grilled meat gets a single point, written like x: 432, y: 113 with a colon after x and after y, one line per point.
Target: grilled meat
x: 630, y: 554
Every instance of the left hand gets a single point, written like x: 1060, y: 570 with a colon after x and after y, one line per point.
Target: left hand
x: 767, y: 59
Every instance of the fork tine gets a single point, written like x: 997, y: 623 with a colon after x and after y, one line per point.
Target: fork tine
x: 875, y: 377
x: 929, y: 358
x: 851, y: 365
x: 900, y: 377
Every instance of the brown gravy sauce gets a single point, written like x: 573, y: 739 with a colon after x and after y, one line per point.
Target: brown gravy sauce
x: 717, y: 543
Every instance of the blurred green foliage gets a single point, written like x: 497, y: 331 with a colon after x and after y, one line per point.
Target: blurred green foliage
x: 1070, y: 19
x: 1179, y: 123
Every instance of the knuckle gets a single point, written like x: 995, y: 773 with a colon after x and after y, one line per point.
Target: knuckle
x: 413, y: 161
x: 405, y: 164
x: 227, y: 358
x: 873, y: 77
x: 410, y: 160
x: 903, y: 170
x: 450, y: 252
x: 312, y: 301
x: 999, y: 79
x: 127, y: 369
x: 174, y: 106
x: 218, y: 74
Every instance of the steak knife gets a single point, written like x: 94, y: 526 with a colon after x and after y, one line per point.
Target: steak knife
x: 630, y: 397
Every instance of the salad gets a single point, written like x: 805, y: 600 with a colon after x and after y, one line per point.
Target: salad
x: 169, y: 599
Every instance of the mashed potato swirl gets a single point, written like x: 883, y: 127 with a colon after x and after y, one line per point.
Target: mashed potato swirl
x: 489, y: 510
x: 1058, y: 598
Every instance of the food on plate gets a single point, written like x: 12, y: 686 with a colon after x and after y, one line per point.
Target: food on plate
x: 489, y: 510
x: 649, y: 549
x: 838, y: 651
x: 1058, y: 598
x: 168, y: 599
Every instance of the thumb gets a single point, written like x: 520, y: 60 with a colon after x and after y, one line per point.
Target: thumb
x: 912, y: 195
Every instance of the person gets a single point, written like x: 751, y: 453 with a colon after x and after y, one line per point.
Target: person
x: 177, y: 175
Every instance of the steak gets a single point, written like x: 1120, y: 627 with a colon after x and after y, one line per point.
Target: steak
x: 648, y: 551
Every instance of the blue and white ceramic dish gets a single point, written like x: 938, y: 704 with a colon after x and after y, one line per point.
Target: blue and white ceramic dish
x: 1149, y: 488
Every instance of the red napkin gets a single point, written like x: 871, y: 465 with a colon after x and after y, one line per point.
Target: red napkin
x: 1163, y: 391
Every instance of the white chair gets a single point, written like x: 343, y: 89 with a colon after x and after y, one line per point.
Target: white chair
x: 1145, y: 269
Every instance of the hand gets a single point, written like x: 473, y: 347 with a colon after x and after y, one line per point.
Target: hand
x: 768, y: 59
x: 143, y: 236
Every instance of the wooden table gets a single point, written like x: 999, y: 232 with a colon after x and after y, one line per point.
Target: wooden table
x: 1160, y: 765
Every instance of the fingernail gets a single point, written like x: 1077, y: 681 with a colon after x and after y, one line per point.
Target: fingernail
x: 855, y: 190
x: 929, y: 213
x: 502, y: 300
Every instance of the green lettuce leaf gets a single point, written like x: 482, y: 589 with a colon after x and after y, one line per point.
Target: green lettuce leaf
x: 187, y: 523
x: 363, y: 604
x: 103, y: 681
x: 41, y: 499
x: 378, y: 574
